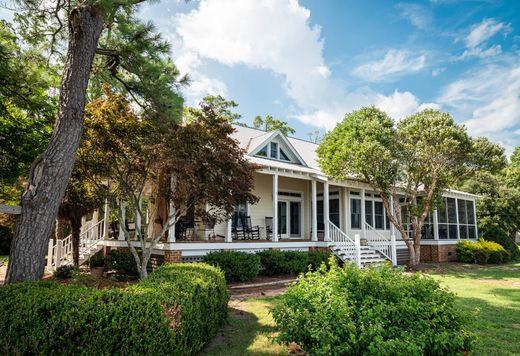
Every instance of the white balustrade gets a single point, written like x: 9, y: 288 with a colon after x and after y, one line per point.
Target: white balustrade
x: 350, y: 248
x: 385, y: 246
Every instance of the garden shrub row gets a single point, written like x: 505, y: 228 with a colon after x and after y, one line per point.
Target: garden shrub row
x: 482, y: 252
x: 173, y: 312
x: 242, y: 266
x: 501, y: 237
x: 371, y: 311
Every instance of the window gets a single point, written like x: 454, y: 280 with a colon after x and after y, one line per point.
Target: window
x: 274, y: 150
x: 262, y: 152
x: 452, y: 209
x: 333, y: 213
x: 283, y: 156
x: 355, y: 213
x: 239, y: 215
x: 369, y: 213
x: 379, y: 217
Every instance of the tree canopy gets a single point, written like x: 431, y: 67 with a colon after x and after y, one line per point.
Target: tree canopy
x: 270, y: 124
x: 417, y: 159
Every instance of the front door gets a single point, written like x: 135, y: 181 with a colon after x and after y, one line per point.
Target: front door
x: 289, y: 219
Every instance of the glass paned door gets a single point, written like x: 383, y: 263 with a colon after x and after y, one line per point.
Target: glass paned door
x: 295, y: 213
x: 282, y: 218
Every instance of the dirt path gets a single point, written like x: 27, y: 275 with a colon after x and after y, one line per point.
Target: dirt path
x: 260, y: 287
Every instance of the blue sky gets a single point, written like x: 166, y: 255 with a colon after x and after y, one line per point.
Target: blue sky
x: 311, y: 61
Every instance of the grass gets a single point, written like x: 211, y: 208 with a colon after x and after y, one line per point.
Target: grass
x: 4, y: 259
x: 249, y: 330
x: 494, y: 291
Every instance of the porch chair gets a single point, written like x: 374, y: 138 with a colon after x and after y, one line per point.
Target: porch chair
x: 251, y: 232
x: 238, y: 232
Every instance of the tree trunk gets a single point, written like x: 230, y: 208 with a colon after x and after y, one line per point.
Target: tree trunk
x: 75, y: 224
x: 51, y: 170
x: 59, y: 229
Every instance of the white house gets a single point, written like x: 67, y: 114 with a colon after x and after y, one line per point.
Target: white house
x: 300, y: 208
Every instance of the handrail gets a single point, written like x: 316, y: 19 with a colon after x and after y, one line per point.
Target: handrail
x: 378, y: 241
x: 340, y: 239
x: 60, y: 251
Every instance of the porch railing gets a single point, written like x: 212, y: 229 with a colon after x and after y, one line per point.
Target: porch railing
x: 59, y: 252
x: 380, y: 243
x: 351, y: 249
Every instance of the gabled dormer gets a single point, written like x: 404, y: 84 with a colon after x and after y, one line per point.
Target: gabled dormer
x: 275, y: 146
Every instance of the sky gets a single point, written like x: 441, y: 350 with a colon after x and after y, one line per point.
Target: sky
x: 309, y: 62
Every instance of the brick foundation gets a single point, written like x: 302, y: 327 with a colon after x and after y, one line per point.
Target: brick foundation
x: 438, y: 253
x: 173, y: 256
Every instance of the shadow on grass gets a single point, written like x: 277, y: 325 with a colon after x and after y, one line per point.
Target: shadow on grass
x: 465, y: 270
x: 245, y: 333
x: 497, y: 327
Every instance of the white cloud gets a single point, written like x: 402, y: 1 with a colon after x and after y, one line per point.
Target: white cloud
x: 438, y: 71
x: 401, y: 104
x: 487, y: 101
x: 394, y: 64
x: 478, y: 36
x: 418, y: 15
x: 483, y: 31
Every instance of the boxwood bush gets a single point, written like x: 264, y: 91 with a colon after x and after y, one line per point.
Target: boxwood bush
x: 173, y: 312
x: 276, y: 262
x: 501, y: 237
x: 371, y: 311
x: 481, y: 252
x: 237, y: 266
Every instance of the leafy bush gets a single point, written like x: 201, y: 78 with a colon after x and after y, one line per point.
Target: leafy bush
x: 173, y: 312
x: 122, y: 262
x: 64, y: 272
x: 6, y: 235
x: 97, y: 260
x: 482, y: 252
x: 237, y: 266
x: 277, y: 262
x: 376, y: 311
x: 501, y: 237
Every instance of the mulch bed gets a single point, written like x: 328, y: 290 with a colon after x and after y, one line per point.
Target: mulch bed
x: 261, y: 286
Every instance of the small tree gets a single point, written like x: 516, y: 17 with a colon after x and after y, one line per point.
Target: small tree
x: 271, y: 124
x: 416, y: 159
x: 207, y: 173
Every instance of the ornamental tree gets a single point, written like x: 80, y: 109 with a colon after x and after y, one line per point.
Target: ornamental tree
x: 271, y: 124
x: 415, y: 160
x: 196, y: 166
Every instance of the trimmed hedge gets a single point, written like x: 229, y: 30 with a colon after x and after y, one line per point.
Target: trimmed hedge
x: 481, y: 252
x: 237, y: 266
x: 276, y: 262
x: 371, y: 311
x: 501, y: 237
x: 175, y: 311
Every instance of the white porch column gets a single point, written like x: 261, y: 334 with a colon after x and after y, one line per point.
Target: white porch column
x: 346, y: 209
x: 326, y: 211
x: 394, y: 250
x: 229, y: 236
x: 314, y: 209
x: 475, y: 218
x: 121, y: 236
x: 106, y: 221
x: 95, y: 219
x: 363, y: 213
x: 435, y: 225
x: 457, y: 213
x: 275, y: 207
x: 171, y: 215
x: 392, y: 212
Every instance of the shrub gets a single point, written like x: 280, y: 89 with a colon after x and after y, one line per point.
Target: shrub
x: 64, y: 272
x: 173, y: 312
x: 277, y: 262
x: 377, y: 311
x: 122, y: 262
x: 97, y: 260
x: 501, y: 237
x: 482, y: 252
x: 237, y: 266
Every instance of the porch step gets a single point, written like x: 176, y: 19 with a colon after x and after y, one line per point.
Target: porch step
x: 369, y: 256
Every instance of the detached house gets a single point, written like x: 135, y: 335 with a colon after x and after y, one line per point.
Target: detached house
x: 300, y: 208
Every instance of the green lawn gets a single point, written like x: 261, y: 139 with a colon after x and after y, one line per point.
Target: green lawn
x: 492, y: 290
x: 495, y: 293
